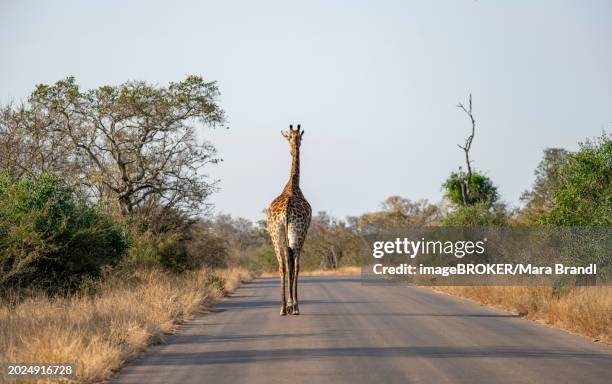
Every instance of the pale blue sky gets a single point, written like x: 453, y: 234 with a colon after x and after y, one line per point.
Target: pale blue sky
x: 373, y: 83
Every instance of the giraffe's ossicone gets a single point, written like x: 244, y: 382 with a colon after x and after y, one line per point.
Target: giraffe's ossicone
x: 288, y: 220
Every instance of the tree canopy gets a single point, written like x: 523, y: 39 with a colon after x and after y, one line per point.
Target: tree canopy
x: 481, y: 189
x: 134, y: 143
x: 549, y: 177
x: 585, y: 195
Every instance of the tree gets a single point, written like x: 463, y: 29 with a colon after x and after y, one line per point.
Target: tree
x: 399, y: 212
x: 465, y: 180
x: 473, y: 194
x: 480, y: 188
x: 29, y: 144
x: 330, y: 243
x: 539, y: 200
x: 133, y: 143
x: 584, y: 197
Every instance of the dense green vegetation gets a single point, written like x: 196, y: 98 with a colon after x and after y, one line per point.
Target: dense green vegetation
x: 584, y: 197
x: 539, y: 200
x: 49, y: 237
x: 481, y: 189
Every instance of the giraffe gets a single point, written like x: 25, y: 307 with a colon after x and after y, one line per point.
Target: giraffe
x: 288, y: 220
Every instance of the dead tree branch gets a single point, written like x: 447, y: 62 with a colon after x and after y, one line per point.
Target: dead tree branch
x: 465, y: 185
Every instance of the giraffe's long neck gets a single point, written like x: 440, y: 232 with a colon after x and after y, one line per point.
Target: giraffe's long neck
x: 293, y: 185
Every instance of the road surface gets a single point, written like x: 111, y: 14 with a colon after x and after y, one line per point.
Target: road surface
x: 354, y: 333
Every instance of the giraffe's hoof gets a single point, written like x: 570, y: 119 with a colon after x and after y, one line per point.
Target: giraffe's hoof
x: 283, y: 310
x: 295, y: 310
x: 290, y: 307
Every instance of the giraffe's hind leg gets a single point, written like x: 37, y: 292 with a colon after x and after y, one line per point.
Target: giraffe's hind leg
x: 295, y: 310
x: 282, y: 268
x: 296, y: 241
x: 282, y: 271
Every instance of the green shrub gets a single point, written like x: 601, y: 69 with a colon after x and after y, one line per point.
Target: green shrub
x: 476, y: 215
x: 482, y: 189
x: 584, y: 198
x: 49, y: 238
x: 150, y: 249
x: 549, y: 176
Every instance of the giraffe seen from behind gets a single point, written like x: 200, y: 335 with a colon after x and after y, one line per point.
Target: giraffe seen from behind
x: 288, y: 220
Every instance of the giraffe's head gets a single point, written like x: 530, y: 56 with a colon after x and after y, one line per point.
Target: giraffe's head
x: 294, y: 136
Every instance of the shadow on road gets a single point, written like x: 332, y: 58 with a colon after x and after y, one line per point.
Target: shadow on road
x: 196, y: 339
x: 267, y: 281
x: 385, y: 314
x: 263, y: 355
x: 276, y: 303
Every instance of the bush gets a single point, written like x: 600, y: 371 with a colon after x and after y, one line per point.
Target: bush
x: 584, y: 198
x: 49, y: 238
x: 152, y: 250
x: 477, y: 215
x: 206, y: 249
x: 549, y: 176
x: 188, y: 246
x: 482, y: 189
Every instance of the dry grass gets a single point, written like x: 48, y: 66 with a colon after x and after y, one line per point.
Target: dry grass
x: 100, y: 333
x: 333, y: 272
x: 322, y: 272
x: 234, y: 277
x: 583, y: 310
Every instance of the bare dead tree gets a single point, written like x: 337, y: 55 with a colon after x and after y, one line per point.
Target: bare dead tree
x: 465, y: 184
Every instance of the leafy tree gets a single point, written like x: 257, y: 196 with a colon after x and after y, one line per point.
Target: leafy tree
x: 49, y: 238
x: 481, y: 189
x: 584, y: 198
x: 29, y: 144
x: 133, y: 143
x: 549, y: 177
x: 471, y: 187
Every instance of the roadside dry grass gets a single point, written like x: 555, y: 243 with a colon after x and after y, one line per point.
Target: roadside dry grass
x: 333, y: 272
x: 100, y: 332
x: 322, y: 272
x: 583, y: 310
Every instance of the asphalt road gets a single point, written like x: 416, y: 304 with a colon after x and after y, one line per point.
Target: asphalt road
x: 354, y: 333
